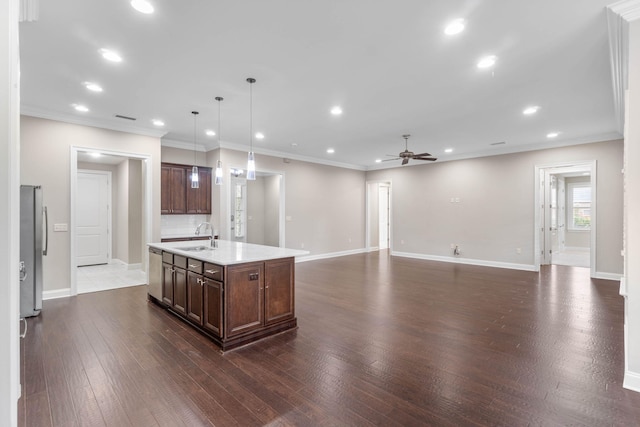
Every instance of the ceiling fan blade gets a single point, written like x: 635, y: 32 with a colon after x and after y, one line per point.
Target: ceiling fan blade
x: 390, y: 160
x: 431, y: 159
x: 422, y: 155
x: 405, y: 161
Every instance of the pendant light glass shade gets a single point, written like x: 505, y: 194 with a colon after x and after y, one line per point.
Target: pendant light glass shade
x: 195, y: 179
x: 218, y: 180
x: 251, y: 163
x: 251, y: 167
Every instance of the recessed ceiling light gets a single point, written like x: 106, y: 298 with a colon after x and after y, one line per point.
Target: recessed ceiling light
x: 336, y: 111
x: 110, y: 55
x: 294, y: 144
x: 378, y: 160
x: 80, y: 108
x: 448, y: 150
x: 157, y: 122
x: 553, y: 134
x: 142, y: 6
x: 93, y: 87
x: 259, y: 135
x: 210, y: 132
x: 454, y: 27
x: 530, y: 110
x: 330, y: 150
x: 487, y: 61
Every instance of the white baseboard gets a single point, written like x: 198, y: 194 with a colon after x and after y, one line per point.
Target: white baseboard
x: 136, y: 266
x: 576, y: 249
x: 374, y: 248
x: 631, y: 381
x: 623, y: 287
x: 330, y: 255
x: 607, y: 276
x: 56, y: 293
x: 457, y: 260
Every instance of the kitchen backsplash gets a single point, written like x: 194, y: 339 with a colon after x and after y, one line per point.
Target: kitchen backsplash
x: 180, y: 225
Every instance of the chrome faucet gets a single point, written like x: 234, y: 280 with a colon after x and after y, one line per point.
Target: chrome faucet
x: 212, y: 241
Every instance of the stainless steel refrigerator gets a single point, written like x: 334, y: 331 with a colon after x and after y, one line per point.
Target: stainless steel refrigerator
x: 33, y: 246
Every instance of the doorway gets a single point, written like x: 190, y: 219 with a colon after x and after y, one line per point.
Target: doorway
x: 131, y: 218
x: 93, y: 218
x: 256, y: 208
x: 565, y: 217
x: 383, y: 216
x: 378, y: 217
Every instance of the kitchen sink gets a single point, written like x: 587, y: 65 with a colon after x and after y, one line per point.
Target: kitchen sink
x: 197, y: 248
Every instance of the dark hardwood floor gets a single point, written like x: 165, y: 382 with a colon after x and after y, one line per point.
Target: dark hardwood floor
x: 381, y: 341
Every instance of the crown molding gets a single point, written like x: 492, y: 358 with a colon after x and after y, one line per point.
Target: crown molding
x: 27, y: 110
x: 619, y: 15
x: 183, y: 145
x: 290, y: 156
x: 545, y: 145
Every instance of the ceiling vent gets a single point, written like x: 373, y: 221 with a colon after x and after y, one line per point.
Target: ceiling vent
x: 498, y: 143
x: 125, y: 117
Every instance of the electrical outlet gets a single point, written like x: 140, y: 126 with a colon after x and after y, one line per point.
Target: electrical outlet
x: 518, y: 251
x: 453, y: 246
x: 402, y: 242
x: 301, y: 245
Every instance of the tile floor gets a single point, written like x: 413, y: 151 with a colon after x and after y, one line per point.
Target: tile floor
x: 574, y: 258
x: 94, y: 278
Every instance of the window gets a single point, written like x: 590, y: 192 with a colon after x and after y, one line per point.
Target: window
x: 579, y: 203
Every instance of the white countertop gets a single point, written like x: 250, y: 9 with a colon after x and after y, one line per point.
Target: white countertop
x: 228, y: 252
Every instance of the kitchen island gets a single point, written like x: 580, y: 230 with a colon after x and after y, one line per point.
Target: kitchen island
x: 235, y: 293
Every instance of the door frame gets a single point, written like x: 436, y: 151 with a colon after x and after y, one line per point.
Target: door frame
x: 541, y: 172
x: 147, y: 213
x: 367, y: 220
x: 225, y: 223
x: 109, y: 176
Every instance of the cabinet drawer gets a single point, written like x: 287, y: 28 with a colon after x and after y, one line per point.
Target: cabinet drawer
x: 213, y: 271
x: 195, y: 266
x: 167, y: 257
x: 180, y: 261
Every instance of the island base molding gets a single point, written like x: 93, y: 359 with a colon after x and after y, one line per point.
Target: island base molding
x: 236, y: 341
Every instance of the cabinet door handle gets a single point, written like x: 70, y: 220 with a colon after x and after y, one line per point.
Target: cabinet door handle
x: 192, y: 265
x: 211, y: 271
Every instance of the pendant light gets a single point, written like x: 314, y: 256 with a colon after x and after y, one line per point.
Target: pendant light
x: 251, y: 162
x: 195, y: 179
x: 218, y: 180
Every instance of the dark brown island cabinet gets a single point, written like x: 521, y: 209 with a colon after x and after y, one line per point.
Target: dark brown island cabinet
x: 177, y: 196
x: 232, y: 304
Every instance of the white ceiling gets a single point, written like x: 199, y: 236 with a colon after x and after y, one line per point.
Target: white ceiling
x: 388, y: 64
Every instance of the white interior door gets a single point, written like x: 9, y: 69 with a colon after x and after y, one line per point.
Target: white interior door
x: 92, y: 217
x: 383, y: 216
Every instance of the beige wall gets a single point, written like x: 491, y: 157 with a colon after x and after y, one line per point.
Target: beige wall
x: 632, y: 203
x: 495, y: 215
x: 135, y: 237
x: 272, y: 210
x: 183, y: 157
x: 325, y: 204
x: 45, y: 160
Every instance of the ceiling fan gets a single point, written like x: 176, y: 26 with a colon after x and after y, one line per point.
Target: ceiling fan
x: 406, y: 154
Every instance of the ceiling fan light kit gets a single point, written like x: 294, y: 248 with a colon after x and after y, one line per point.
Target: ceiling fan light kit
x: 407, y: 155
